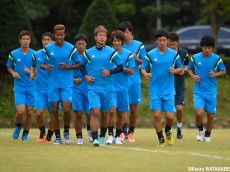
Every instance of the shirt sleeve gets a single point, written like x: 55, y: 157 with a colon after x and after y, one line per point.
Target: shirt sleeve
x: 191, y: 64
x: 178, y: 63
x: 10, y: 62
x: 33, y: 60
x: 130, y: 62
x: 85, y: 58
x: 116, y: 59
x: 220, y: 65
x: 146, y: 62
x: 75, y: 57
x: 141, y: 52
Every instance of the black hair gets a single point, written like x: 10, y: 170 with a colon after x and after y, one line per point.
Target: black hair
x: 126, y: 25
x: 49, y: 34
x: 207, y: 41
x: 173, y: 36
x: 161, y: 33
x: 80, y: 36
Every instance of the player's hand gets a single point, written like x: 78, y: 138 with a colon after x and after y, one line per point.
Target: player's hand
x: 49, y: 67
x: 26, y: 69
x: 212, y: 74
x: 182, y: 72
x: 105, y: 72
x: 171, y: 70
x: 89, y: 79
x: 77, y: 80
x: 62, y: 65
x: 15, y: 75
x: 196, y: 78
x: 148, y: 75
x: 32, y: 75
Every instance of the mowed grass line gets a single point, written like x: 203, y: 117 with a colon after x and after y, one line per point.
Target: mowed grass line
x: 143, y: 155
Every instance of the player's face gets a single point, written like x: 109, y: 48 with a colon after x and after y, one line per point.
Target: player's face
x: 81, y: 46
x: 46, y: 40
x: 100, y: 38
x: 25, y: 41
x: 59, y: 36
x: 173, y: 44
x: 206, y: 50
x: 162, y: 42
x: 128, y: 35
x: 117, y: 44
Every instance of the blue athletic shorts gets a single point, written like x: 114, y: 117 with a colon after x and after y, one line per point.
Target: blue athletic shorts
x: 80, y: 101
x: 165, y: 103
x: 99, y: 98
x: 206, y: 102
x: 179, y: 98
x: 41, y: 100
x: 120, y: 100
x: 60, y: 94
x: 26, y: 97
x: 135, y: 96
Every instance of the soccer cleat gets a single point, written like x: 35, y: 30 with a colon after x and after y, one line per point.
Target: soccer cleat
x: 131, y: 137
x: 90, y: 138
x: 110, y: 140
x: 101, y: 141
x: 117, y: 141
x: 16, y: 132
x: 67, y: 140
x: 179, y: 134
x: 96, y: 142
x: 207, y: 139
x: 25, y: 137
x: 57, y: 141
x: 161, y: 143
x: 200, y: 136
x: 169, y: 138
x: 80, y: 141
x: 48, y: 141
x: 41, y: 137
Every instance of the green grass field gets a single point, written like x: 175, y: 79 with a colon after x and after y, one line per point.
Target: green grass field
x: 143, y: 155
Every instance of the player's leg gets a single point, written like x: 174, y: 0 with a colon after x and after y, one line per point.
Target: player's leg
x: 78, y: 126
x: 88, y: 115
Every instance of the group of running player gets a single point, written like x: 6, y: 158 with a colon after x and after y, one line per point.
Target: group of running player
x: 105, y: 82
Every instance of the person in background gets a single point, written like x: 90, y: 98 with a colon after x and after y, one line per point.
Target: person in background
x: 135, y: 97
x: 80, y: 93
x: 41, y: 91
x: 179, y: 81
x: 207, y: 66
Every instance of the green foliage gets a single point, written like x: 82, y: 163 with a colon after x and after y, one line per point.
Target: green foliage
x: 12, y: 20
x: 98, y: 13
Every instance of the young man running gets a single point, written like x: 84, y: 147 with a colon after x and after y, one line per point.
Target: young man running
x: 60, y: 56
x: 163, y: 63
x: 99, y: 59
x: 207, y: 66
x: 18, y: 65
x: 120, y: 96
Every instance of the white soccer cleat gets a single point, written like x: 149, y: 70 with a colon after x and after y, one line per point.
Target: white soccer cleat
x: 207, y: 139
x: 200, y: 136
x: 90, y: 138
x: 110, y: 140
x: 117, y: 141
x: 80, y: 141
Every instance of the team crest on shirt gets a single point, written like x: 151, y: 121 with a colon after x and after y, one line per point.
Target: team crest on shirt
x: 92, y: 56
x: 155, y: 60
x: 199, y: 63
x: 52, y: 53
x: 19, y: 60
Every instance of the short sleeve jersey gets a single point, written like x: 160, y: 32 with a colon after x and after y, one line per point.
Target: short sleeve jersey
x: 120, y: 80
x: 17, y: 60
x: 82, y: 86
x: 179, y: 79
x: 41, y: 75
x: 67, y: 53
x: 139, y: 49
x: 161, y: 82
x: 202, y: 66
x: 97, y: 59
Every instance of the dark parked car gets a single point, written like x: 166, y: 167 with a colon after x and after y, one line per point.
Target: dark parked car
x: 190, y: 39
